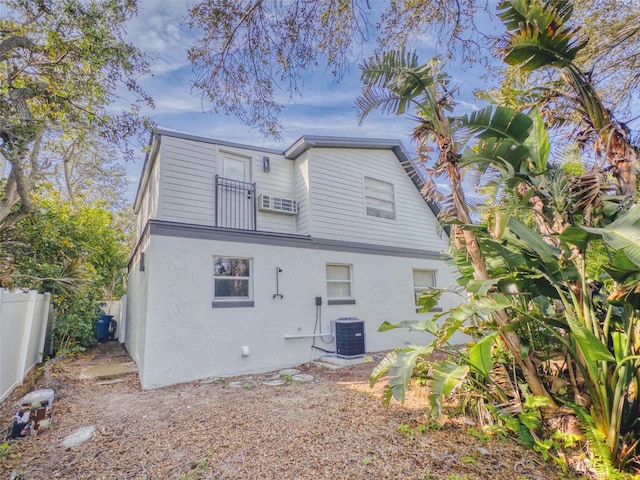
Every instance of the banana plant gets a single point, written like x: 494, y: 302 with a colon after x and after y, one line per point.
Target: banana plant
x: 539, y: 37
x: 394, y: 82
x: 540, y: 285
x: 524, y: 266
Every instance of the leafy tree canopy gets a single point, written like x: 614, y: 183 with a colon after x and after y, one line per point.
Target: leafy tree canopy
x: 82, y: 168
x: 59, y: 233
x: 252, y: 51
x: 78, y: 253
x: 61, y: 64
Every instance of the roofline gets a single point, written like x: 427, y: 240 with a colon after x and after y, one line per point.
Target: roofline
x: 144, y: 176
x: 198, y: 138
x: 306, y: 142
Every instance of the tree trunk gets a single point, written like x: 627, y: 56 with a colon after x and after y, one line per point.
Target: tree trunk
x: 510, y: 338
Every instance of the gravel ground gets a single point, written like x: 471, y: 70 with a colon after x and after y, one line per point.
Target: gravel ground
x: 332, y: 427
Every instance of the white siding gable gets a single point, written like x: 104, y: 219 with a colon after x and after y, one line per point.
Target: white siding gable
x: 338, y: 200
x: 277, y: 182
x: 326, y: 180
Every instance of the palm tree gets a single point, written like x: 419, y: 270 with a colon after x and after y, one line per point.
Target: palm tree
x: 393, y: 82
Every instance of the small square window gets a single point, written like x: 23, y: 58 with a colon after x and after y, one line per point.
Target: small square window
x: 423, y: 281
x: 339, y: 284
x: 379, y: 198
x: 232, y: 284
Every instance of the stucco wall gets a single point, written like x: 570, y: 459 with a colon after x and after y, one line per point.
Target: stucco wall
x: 186, y: 339
x: 136, y: 305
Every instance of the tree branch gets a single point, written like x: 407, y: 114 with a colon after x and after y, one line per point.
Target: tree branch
x: 13, y: 42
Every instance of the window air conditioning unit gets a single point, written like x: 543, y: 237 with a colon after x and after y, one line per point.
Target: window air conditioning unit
x: 269, y: 203
x: 349, y: 335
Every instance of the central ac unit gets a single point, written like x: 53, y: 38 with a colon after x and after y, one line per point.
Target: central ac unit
x: 349, y: 335
x: 269, y: 203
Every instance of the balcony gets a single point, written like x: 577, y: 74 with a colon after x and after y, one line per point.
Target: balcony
x: 235, y: 204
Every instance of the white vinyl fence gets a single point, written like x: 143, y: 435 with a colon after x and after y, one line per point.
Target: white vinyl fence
x: 23, y: 330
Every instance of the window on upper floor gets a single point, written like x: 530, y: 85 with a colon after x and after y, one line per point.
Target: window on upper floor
x: 339, y: 284
x: 232, y: 282
x: 423, y: 281
x: 379, y: 198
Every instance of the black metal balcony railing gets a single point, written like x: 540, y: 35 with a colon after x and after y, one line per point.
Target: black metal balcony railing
x: 235, y: 204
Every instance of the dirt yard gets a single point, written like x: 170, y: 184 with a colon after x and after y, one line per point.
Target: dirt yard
x: 333, y: 427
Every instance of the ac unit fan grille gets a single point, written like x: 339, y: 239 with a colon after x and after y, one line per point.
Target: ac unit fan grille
x: 349, y: 334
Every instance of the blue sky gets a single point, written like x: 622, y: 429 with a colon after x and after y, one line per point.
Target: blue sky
x: 323, y: 108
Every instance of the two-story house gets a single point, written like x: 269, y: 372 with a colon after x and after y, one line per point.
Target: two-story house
x: 252, y: 259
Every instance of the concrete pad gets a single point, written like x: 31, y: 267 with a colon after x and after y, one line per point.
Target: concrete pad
x: 111, y: 382
x: 114, y: 349
x: 330, y: 366
x: 108, y: 371
x: 333, y: 361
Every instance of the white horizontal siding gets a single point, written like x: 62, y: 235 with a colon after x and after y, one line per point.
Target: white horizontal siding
x: 276, y: 222
x: 301, y: 179
x: 337, y: 200
x: 188, y: 175
x: 327, y: 183
x: 188, y: 181
x: 150, y: 199
x: 279, y: 183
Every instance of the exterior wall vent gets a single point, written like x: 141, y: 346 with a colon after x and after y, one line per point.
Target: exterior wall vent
x: 269, y: 203
x: 349, y: 335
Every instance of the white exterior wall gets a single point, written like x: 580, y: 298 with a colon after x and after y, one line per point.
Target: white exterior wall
x: 186, y: 339
x: 173, y: 332
x: 188, y: 170
x: 136, y: 313
x: 279, y: 182
x: 188, y: 181
x: 338, y: 203
x: 302, y: 189
x: 150, y: 196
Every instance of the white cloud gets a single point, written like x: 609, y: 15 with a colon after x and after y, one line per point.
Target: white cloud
x: 160, y: 31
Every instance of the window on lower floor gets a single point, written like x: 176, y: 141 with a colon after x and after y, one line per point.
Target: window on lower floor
x: 232, y: 284
x: 339, y: 284
x: 423, y: 281
x: 379, y: 198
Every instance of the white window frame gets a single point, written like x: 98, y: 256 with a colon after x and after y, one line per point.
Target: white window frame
x: 375, y: 194
x: 341, y: 300
x: 418, y: 289
x: 233, y: 300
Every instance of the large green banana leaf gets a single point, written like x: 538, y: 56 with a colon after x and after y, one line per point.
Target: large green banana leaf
x: 623, y: 234
x: 444, y: 378
x: 399, y: 364
x: 496, y: 122
x: 538, y: 36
